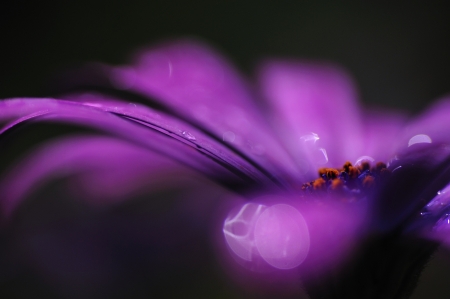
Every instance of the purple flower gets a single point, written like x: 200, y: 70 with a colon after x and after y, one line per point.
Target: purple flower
x: 224, y: 161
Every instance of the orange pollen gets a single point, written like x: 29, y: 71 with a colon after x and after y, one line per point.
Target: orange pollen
x: 337, y: 184
x: 330, y: 173
x: 364, y: 166
x: 347, y: 166
x: 354, y: 180
x: 319, y: 184
x: 368, y: 182
x: 353, y: 172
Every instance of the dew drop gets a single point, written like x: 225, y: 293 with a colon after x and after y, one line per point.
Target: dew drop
x: 188, y: 135
x: 228, y: 136
x: 420, y: 138
x: 440, y: 201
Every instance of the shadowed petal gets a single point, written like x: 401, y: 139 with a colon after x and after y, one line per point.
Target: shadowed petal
x: 106, y: 169
x: 271, y: 168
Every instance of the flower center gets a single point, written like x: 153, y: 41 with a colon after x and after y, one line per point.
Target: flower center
x: 350, y: 179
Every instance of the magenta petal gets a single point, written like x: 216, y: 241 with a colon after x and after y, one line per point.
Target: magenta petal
x: 107, y: 169
x: 200, y: 87
x: 316, y: 109
x: 381, y: 133
x: 142, y: 127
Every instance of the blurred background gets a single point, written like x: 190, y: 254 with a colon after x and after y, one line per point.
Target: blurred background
x: 398, y: 53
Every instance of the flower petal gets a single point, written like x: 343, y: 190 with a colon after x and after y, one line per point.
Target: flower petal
x: 314, y: 104
x: 381, y: 133
x: 196, y: 85
x: 142, y: 127
x: 107, y: 169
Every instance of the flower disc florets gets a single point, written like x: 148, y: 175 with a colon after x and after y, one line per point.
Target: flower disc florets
x: 350, y: 179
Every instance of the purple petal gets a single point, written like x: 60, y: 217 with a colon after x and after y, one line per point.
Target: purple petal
x: 142, y: 127
x: 106, y: 169
x: 200, y: 87
x: 381, y: 133
x: 434, y: 223
x: 316, y: 109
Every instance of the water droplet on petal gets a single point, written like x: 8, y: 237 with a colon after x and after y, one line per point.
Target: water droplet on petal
x: 282, y: 236
x: 440, y: 201
x: 238, y: 230
x: 188, y: 135
x: 228, y: 136
x: 420, y: 138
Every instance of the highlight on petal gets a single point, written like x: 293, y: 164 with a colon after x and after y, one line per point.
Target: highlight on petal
x: 419, y: 138
x: 434, y: 222
x: 278, y: 234
x: 441, y: 230
x: 282, y: 236
x: 440, y: 202
x: 238, y: 229
x: 314, y: 99
x: 430, y: 126
x: 282, y: 232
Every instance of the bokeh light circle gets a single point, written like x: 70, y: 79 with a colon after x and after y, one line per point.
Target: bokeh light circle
x: 282, y: 237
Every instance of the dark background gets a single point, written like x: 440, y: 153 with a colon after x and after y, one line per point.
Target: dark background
x: 398, y: 52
